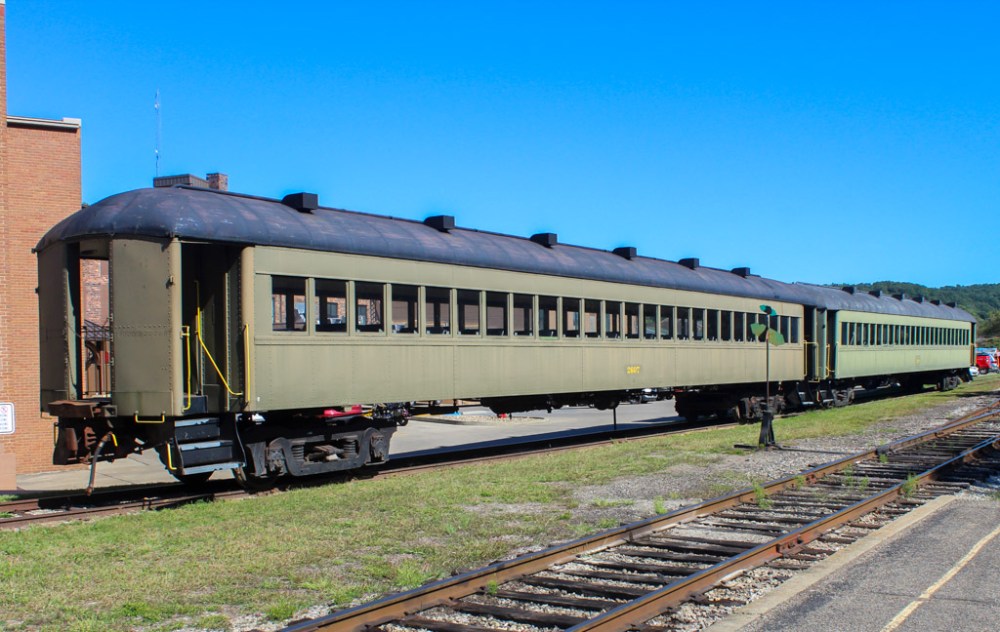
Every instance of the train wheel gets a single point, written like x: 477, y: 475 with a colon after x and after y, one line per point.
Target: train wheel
x: 252, y: 483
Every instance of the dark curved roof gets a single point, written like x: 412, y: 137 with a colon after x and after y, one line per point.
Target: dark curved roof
x: 204, y: 214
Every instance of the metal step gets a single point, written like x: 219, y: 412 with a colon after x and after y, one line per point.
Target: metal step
x: 199, y: 429
x: 205, y: 452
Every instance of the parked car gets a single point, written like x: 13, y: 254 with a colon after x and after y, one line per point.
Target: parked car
x: 973, y: 371
x: 986, y: 363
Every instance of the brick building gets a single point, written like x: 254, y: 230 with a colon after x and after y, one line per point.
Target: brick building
x: 40, y: 184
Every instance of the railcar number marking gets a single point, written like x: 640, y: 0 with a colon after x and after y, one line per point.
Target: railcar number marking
x: 632, y: 370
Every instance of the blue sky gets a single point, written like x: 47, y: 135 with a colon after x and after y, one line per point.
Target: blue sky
x: 819, y: 142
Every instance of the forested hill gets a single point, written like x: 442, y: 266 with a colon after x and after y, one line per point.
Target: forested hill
x: 978, y: 300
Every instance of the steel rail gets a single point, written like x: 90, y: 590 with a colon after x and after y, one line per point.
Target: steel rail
x: 655, y: 603
x: 443, y: 591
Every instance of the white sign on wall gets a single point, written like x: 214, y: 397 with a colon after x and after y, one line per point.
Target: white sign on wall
x: 6, y: 418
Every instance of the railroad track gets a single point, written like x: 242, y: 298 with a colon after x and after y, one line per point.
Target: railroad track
x: 61, y: 508
x: 635, y: 576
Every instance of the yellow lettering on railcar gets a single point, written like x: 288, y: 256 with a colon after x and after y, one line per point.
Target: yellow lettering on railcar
x: 632, y: 370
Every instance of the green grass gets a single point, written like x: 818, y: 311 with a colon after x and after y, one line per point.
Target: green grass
x: 274, y: 556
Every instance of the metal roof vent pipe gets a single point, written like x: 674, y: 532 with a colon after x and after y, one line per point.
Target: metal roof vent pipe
x: 626, y: 252
x: 919, y: 298
x: 935, y: 302
x: 876, y: 293
x: 301, y: 202
x: 690, y: 262
x: 546, y: 239
x: 441, y: 223
x: 743, y: 272
x: 850, y: 289
x: 900, y: 297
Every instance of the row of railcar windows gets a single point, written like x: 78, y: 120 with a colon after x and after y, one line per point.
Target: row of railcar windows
x: 872, y: 335
x: 475, y: 312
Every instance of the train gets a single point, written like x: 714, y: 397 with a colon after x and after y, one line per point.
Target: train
x: 278, y: 337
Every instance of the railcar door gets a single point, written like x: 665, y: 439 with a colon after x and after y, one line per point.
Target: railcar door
x: 215, y: 347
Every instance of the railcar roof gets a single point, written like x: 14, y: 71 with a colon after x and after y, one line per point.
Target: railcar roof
x: 208, y: 215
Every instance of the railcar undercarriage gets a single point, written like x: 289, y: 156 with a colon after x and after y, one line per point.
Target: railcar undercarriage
x: 258, y: 447
x: 746, y: 403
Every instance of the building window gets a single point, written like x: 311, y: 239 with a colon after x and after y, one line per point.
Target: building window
x: 437, y: 310
x: 330, y: 305
x: 288, y: 304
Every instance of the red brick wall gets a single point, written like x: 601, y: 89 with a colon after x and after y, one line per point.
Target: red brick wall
x: 43, y: 187
x: 39, y: 185
x: 5, y: 440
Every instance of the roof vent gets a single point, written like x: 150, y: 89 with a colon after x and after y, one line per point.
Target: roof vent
x: 301, y: 202
x: 442, y: 223
x: 876, y: 293
x: 935, y: 302
x: 690, y: 262
x: 628, y: 252
x: 184, y: 179
x: 546, y: 239
x: 743, y: 272
x: 919, y: 298
x: 850, y: 289
x: 900, y: 297
x: 952, y: 304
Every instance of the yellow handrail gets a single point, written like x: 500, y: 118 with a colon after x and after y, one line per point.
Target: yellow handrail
x: 186, y: 334
x: 204, y: 347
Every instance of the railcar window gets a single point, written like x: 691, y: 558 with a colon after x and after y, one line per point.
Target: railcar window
x: 404, y: 309
x: 795, y: 330
x: 683, y: 323
x: 437, y: 310
x: 712, y: 324
x: 288, y: 304
x: 468, y: 312
x: 667, y: 322
x: 496, y: 313
x: 571, y: 317
x: 612, y: 319
x: 786, y: 330
x: 698, y: 323
x: 330, y: 305
x: 649, y: 322
x: 739, y: 320
x: 368, y: 298
x: 632, y: 320
x: 523, y: 306
x: 592, y: 318
x: 548, y: 316
x: 726, y: 332
x: 751, y: 319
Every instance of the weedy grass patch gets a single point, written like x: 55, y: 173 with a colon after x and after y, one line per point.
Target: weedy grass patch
x: 276, y: 555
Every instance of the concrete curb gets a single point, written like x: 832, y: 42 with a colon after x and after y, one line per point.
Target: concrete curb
x: 749, y: 613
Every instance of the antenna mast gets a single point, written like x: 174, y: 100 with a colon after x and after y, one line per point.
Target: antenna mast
x: 156, y: 107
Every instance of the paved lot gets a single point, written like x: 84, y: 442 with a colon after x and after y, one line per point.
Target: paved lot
x: 938, y: 574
